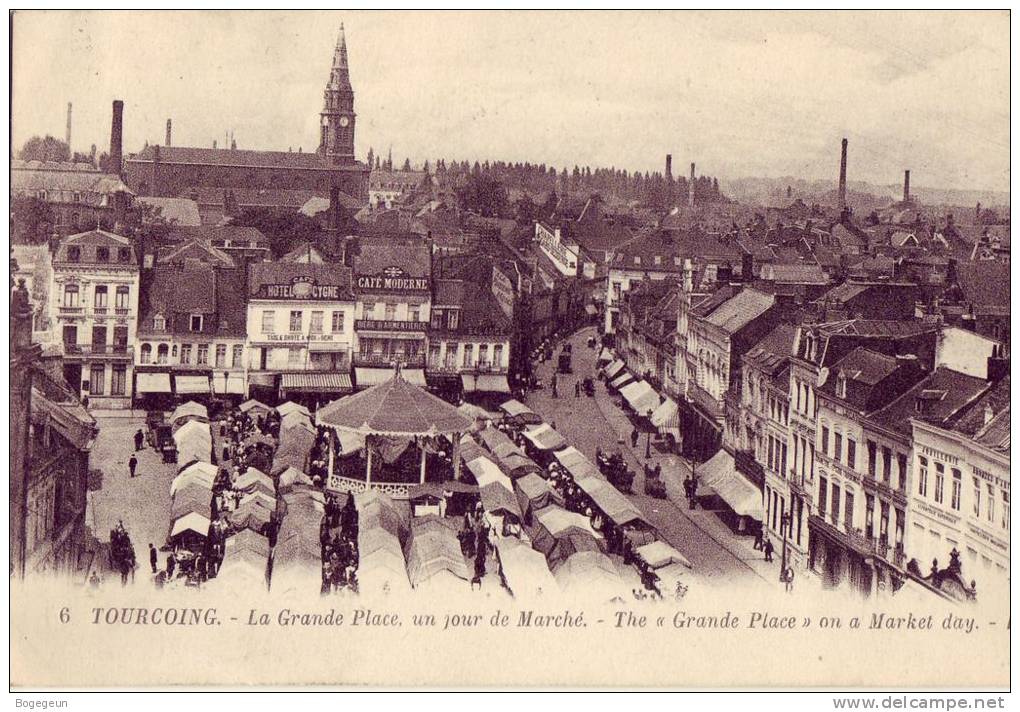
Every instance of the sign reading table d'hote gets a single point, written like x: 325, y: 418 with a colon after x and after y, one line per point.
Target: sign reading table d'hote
x: 391, y: 279
x: 302, y: 288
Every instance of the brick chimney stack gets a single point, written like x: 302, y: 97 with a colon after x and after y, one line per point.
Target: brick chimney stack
x: 690, y: 189
x: 169, y: 126
x: 669, y: 167
x: 906, y: 186
x: 117, y: 137
x: 842, y: 178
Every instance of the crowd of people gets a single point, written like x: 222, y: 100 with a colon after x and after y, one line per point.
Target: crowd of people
x: 338, y: 536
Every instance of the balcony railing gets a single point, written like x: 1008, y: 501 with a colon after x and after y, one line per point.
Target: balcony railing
x: 99, y: 310
x: 71, y: 310
x: 121, y: 311
x: 119, y: 350
x: 387, y: 360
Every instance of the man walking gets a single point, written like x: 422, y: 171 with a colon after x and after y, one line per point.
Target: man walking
x: 139, y: 440
x: 633, y: 437
x: 132, y: 464
x: 768, y: 549
x: 577, y: 388
x: 153, y: 557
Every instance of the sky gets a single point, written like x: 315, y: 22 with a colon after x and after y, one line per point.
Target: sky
x: 743, y: 94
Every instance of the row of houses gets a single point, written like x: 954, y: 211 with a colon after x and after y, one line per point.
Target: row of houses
x: 198, y: 322
x: 870, y: 421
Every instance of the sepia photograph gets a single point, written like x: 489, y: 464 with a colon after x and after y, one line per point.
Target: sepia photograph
x: 656, y: 349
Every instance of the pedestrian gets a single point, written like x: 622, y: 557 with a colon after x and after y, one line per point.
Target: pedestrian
x: 139, y: 440
x: 555, y: 383
x: 788, y: 577
x: 687, y: 489
x: 768, y: 549
x: 633, y: 437
x: 577, y: 388
x: 758, y: 539
x: 153, y: 557
x: 171, y: 562
x: 132, y: 464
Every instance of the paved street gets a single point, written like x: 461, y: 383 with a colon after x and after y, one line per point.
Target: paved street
x: 143, y: 503
x: 717, y: 554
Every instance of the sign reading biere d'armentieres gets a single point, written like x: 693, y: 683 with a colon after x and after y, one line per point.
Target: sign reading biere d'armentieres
x: 391, y: 279
x: 301, y: 288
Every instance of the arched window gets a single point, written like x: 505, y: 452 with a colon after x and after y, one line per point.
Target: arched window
x: 162, y: 352
x: 146, y: 352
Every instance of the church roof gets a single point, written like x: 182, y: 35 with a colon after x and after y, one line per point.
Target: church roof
x: 188, y: 155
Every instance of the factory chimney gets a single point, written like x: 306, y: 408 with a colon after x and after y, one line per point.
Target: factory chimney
x: 690, y: 189
x: 117, y: 137
x: 842, y: 179
x: 906, y: 186
x: 169, y: 126
x: 67, y: 136
x: 669, y: 166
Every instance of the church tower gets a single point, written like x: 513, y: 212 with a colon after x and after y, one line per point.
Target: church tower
x: 337, y: 126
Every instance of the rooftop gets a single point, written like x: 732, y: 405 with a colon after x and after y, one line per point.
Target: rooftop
x: 265, y: 274
x: 737, y: 312
x: 774, y: 350
x: 377, y: 254
x: 238, y: 157
x: 942, y: 394
x: 987, y: 422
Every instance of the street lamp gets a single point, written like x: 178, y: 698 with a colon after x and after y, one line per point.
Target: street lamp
x: 784, y: 526
x: 648, y: 441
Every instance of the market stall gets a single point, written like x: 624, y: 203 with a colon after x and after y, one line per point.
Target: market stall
x: 641, y: 397
x: 559, y: 534
x: 194, y: 442
x: 590, y: 575
x: 202, y: 473
x: 523, y: 570
x: 245, y: 565
x: 189, y: 411
x: 544, y: 439
x: 533, y: 494
x: 520, y: 413
x: 434, y: 557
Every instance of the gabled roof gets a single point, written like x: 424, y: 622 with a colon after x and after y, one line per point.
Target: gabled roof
x: 87, y: 244
x: 984, y: 283
x: 737, y: 312
x: 197, y: 250
x: 174, y: 211
x: 28, y: 179
x: 993, y: 433
x: 942, y: 395
x: 409, y: 254
x: 772, y: 352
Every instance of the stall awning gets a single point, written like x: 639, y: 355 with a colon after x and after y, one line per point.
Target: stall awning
x: 614, y: 368
x: 513, y: 408
x: 316, y: 382
x: 414, y: 376
x: 234, y: 383
x: 152, y: 383
x: 372, y: 376
x: 267, y: 380
x: 544, y: 437
x: 721, y: 475
x: 191, y: 384
x: 485, y: 382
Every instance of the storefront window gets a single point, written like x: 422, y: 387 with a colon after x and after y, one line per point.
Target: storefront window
x: 316, y: 326
x: 391, y: 312
x: 118, y: 381
x: 294, y: 356
x: 97, y: 376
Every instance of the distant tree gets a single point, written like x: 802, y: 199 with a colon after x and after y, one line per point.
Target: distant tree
x: 426, y: 166
x: 378, y: 163
x: 525, y: 210
x: 44, y: 149
x: 371, y: 157
x: 484, y: 195
x: 32, y: 220
x: 284, y: 231
x: 407, y: 165
x: 988, y: 217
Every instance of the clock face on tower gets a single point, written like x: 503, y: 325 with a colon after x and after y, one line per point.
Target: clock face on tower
x: 344, y: 121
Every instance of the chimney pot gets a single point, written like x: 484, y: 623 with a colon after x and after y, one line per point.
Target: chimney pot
x: 842, y: 178
x: 906, y: 186
x: 168, y: 128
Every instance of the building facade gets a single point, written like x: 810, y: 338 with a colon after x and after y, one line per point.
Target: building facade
x: 300, y: 327
x: 94, y: 309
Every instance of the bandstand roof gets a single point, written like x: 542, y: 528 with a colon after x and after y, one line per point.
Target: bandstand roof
x: 394, y: 407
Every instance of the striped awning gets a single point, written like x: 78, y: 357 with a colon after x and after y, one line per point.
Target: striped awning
x: 152, y: 383
x: 316, y: 382
x: 233, y: 383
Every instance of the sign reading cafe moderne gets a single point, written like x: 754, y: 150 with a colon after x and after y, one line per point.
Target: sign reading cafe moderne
x: 392, y: 279
x: 301, y: 288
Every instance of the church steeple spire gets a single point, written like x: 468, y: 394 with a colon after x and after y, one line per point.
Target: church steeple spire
x: 337, y: 126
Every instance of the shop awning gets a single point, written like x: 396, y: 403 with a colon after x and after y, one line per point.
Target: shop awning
x: 374, y: 376
x: 641, y: 397
x: 266, y: 380
x: 614, y: 368
x: 605, y: 355
x: 152, y: 383
x: 234, y: 383
x: 414, y: 376
x: 316, y: 382
x: 621, y: 379
x: 721, y: 476
x: 666, y: 412
x: 191, y: 384
x: 514, y: 408
x: 590, y: 309
x: 485, y: 382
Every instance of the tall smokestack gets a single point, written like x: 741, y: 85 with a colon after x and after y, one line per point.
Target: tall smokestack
x: 117, y: 137
x: 690, y: 189
x: 906, y: 186
x: 169, y: 126
x: 67, y: 136
x: 842, y: 179
x: 669, y: 166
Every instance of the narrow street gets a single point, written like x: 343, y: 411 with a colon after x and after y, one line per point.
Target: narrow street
x: 718, y: 556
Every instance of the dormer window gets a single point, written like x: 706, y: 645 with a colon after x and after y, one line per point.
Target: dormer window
x: 637, y: 260
x: 196, y: 322
x: 74, y: 254
x: 124, y: 254
x: 841, y: 386
x: 158, y: 323
x: 102, y: 254
x: 658, y: 260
